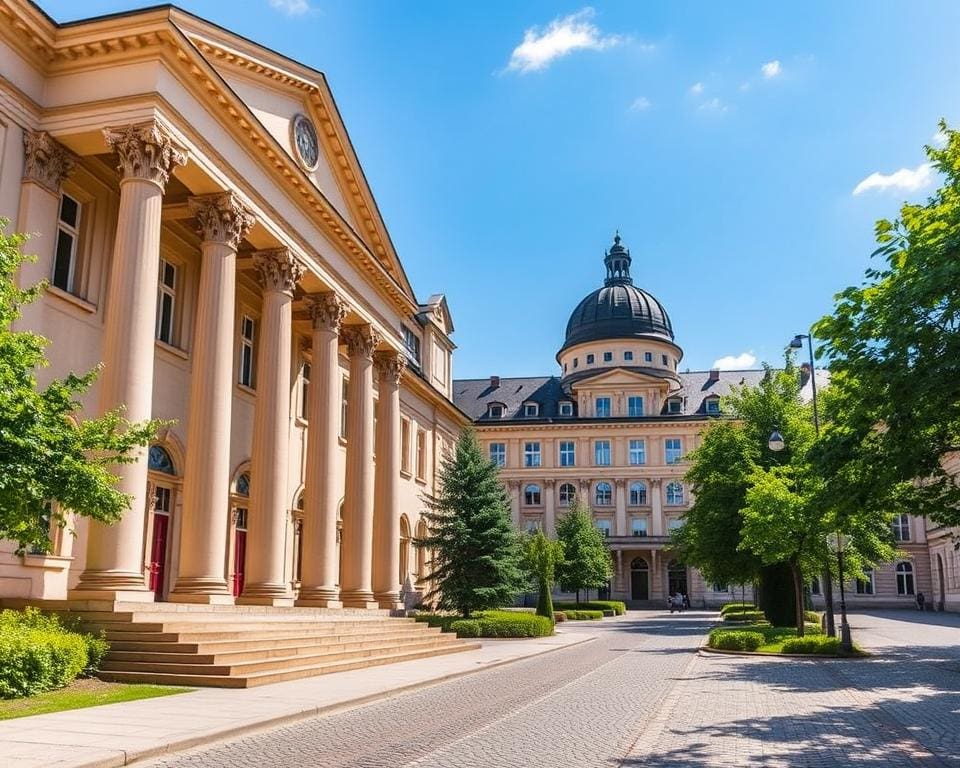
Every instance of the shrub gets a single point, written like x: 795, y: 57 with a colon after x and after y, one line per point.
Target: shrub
x: 492, y: 624
x: 465, y: 627
x: 812, y: 617
x: 737, y: 608
x: 744, y: 616
x: 735, y: 640
x: 559, y: 616
x: 816, y: 645
x: 617, y: 606
x: 583, y: 615
x: 37, y: 653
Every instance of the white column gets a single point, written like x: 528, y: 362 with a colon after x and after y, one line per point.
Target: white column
x: 146, y: 154
x: 549, y: 507
x: 621, y: 517
x: 223, y: 222
x: 656, y: 507
x: 265, y: 582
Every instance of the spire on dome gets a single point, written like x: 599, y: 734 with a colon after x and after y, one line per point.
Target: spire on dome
x: 617, y: 261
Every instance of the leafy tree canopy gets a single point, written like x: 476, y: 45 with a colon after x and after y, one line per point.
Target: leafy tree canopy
x: 586, y: 560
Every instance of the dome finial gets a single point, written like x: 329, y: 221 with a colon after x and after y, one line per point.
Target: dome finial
x: 616, y: 237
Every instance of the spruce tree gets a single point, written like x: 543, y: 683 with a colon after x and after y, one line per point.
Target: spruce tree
x: 476, y: 557
x: 586, y: 560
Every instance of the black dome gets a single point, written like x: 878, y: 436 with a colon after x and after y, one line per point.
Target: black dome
x: 619, y: 309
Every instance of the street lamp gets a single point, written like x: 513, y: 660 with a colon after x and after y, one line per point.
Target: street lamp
x: 837, y: 542
x: 775, y: 442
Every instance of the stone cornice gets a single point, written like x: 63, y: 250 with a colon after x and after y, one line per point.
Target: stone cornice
x: 531, y: 426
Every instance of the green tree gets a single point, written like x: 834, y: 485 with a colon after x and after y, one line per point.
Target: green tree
x: 586, y: 560
x: 541, y: 556
x: 476, y: 554
x: 894, y: 349
x: 52, y: 459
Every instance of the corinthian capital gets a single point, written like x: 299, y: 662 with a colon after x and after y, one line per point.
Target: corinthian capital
x: 361, y: 340
x: 278, y: 269
x: 145, y: 151
x: 390, y: 365
x: 221, y: 218
x: 46, y: 161
x: 327, y: 311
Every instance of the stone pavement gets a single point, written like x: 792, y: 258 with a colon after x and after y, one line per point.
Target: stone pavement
x: 117, y: 734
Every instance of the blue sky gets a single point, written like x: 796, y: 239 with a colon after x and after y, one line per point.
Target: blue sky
x: 505, y: 142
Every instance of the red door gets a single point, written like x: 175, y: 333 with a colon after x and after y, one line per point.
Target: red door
x: 239, y: 560
x: 158, y: 553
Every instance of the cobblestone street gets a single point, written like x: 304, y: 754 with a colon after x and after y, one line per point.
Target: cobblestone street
x: 641, y: 695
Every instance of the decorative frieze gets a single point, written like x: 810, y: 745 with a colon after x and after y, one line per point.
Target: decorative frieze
x: 221, y: 218
x: 278, y: 270
x: 46, y: 161
x: 145, y: 151
x: 390, y: 366
x: 327, y: 311
x: 362, y: 340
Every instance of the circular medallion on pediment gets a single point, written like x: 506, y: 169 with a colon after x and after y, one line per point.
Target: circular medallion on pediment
x: 306, y: 145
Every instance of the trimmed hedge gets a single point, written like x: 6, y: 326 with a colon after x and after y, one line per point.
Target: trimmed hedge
x: 735, y: 640
x: 492, y: 624
x: 618, y: 607
x: 37, y: 653
x: 744, y: 616
x: 583, y: 615
x: 727, y: 608
x: 811, y: 616
x: 819, y: 644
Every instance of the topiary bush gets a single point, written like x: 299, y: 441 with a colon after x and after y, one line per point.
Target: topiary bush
x: 727, y: 608
x: 617, y: 606
x: 819, y: 644
x: 735, y: 640
x: 583, y: 615
x: 743, y: 616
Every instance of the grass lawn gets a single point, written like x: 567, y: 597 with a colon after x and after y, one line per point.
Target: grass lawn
x: 774, y: 637
x: 80, y: 694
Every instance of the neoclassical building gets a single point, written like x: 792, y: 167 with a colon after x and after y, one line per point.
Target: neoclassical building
x: 210, y: 240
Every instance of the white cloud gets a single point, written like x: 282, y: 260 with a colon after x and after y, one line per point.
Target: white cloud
x: 735, y: 362
x: 291, y: 7
x: 939, y: 139
x: 771, y: 69
x: 561, y: 37
x: 696, y: 89
x: 713, y: 105
x: 905, y: 179
x: 640, y: 104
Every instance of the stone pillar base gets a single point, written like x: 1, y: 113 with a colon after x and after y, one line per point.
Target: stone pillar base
x: 112, y: 595
x: 359, y: 599
x: 389, y: 600
x: 282, y: 602
x: 204, y: 598
x: 318, y: 602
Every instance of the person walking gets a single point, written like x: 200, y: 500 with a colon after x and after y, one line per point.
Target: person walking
x: 921, y: 600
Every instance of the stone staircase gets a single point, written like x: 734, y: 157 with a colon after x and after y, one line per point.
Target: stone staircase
x: 210, y: 646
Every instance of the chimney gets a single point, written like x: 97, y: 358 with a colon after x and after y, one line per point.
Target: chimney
x: 494, y: 382
x: 714, y: 374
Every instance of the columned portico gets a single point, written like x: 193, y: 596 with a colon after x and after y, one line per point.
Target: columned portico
x: 265, y: 584
x: 147, y: 154
x: 223, y: 222
x: 357, y: 541
x: 386, y: 512
x: 320, y: 568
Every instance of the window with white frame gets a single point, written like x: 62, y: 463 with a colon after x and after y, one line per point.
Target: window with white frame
x: 248, y: 332
x: 411, y: 343
x: 628, y: 355
x: 568, y: 493
x: 674, y: 405
x: 166, y: 301
x: 495, y: 411
x: 608, y: 357
x: 638, y: 526
x: 405, y: 445
x: 344, y: 398
x: 304, y: 390
x: 674, y: 493
x: 713, y: 405
x: 603, y: 494
x: 905, y: 584
x: 648, y: 357
x: 568, y: 453
x: 531, y: 409
x: 604, y: 527
x: 566, y: 408
x: 531, y: 454
x: 638, y: 453
x: 634, y: 405
x: 421, y: 454
x: 663, y: 359
x: 601, y: 453
x: 498, y: 454
x: 602, y: 407
x: 674, y: 523
x: 531, y: 495
x: 68, y: 238
x: 672, y: 450
x: 901, y: 527
x: 864, y: 586
x: 638, y: 494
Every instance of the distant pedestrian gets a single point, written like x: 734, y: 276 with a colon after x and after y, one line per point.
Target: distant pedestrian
x: 686, y: 602
x: 920, y: 601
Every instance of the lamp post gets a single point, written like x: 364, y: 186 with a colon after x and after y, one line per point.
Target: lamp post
x: 797, y: 343
x: 837, y: 542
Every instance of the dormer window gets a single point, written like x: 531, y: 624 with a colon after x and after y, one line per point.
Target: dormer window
x: 590, y: 359
x: 531, y: 409
x: 628, y: 355
x: 648, y: 357
x: 495, y: 410
x: 713, y: 405
x: 608, y: 357
x: 566, y: 408
x: 674, y: 405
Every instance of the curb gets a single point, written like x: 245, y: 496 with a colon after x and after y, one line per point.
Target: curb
x: 703, y: 649
x: 124, y: 757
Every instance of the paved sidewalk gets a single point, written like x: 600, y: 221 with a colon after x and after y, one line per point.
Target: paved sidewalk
x: 117, y: 734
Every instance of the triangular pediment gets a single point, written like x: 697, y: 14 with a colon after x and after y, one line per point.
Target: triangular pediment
x: 620, y: 377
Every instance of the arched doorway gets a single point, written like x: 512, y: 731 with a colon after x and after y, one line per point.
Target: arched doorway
x: 639, y: 579
x: 676, y: 579
x: 162, y: 481
x: 241, y: 492
x: 941, y: 583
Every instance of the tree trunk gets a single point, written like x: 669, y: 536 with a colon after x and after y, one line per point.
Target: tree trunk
x: 798, y: 594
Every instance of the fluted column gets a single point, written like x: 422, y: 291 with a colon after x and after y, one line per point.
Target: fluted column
x: 223, y: 222
x: 549, y: 507
x: 265, y: 584
x: 320, y: 571
x: 146, y: 154
x: 386, y: 509
x: 356, y: 586
x: 656, y: 507
x: 620, y: 522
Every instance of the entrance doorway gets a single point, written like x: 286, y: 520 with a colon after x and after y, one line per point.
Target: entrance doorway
x: 639, y: 579
x: 239, y: 551
x: 158, y: 546
x: 676, y: 578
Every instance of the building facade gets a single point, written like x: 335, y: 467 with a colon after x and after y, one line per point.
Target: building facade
x: 209, y: 239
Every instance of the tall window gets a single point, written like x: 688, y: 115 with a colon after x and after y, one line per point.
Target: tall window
x: 305, y: 390
x: 166, y: 301
x: 674, y: 494
x: 905, y: 578
x: 248, y: 331
x: 648, y: 357
x: 344, y: 393
x: 590, y: 359
x: 638, y: 526
x: 638, y: 494
x: 567, y: 494
x: 568, y: 453
x: 412, y: 343
x: 672, y: 450
x: 405, y: 445
x: 603, y: 526
x: 603, y: 407
x: 638, y: 452
x: 531, y: 454
x: 68, y: 235
x: 604, y: 494
x: 635, y: 406
x: 498, y: 454
x: 865, y: 585
x: 601, y: 453
x: 421, y: 454
x: 901, y: 527
x: 531, y: 495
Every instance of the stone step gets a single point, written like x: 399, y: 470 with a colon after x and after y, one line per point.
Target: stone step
x: 246, y: 625
x: 105, y: 617
x: 191, y: 635
x: 292, y: 673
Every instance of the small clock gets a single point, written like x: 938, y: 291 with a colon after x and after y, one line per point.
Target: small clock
x: 305, y: 142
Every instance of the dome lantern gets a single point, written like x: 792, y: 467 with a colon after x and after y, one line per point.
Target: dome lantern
x: 618, y: 261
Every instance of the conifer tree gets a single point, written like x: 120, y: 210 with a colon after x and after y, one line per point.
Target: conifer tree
x: 476, y: 557
x: 542, y: 556
x: 586, y: 561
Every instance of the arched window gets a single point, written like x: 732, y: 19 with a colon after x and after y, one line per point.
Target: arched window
x: 603, y: 494
x: 905, y: 578
x: 404, y: 548
x: 243, y: 484
x: 531, y: 495
x: 638, y: 494
x: 568, y: 493
x: 639, y: 564
x: 674, y: 494
x: 159, y: 460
